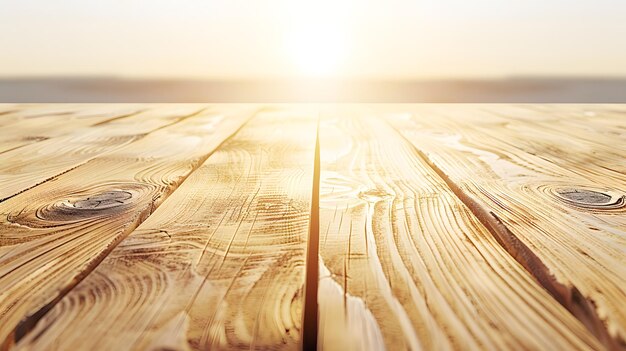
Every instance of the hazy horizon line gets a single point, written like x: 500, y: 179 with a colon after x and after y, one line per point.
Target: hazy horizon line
x: 512, y: 89
x: 315, y: 79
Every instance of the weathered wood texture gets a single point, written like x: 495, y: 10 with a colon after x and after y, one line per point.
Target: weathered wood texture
x: 28, y: 166
x: 408, y: 266
x: 51, y: 236
x: 219, y: 265
x: 187, y: 227
x: 521, y: 167
x: 26, y: 126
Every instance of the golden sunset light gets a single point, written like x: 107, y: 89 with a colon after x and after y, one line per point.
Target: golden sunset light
x: 330, y: 175
x: 317, y: 39
x: 371, y: 39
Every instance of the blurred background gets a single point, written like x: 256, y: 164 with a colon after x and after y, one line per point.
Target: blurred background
x: 312, y: 51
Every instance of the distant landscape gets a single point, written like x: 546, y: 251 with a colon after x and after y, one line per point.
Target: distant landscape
x: 515, y: 90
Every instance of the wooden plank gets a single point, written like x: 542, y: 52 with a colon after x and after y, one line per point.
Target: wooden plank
x: 55, y: 234
x: 588, y: 135
x: 220, y: 265
x: 522, y: 174
x: 10, y: 114
x: 31, y: 125
x: 14, y: 112
x: 51, y: 113
x: 33, y: 164
x: 405, y: 265
x: 46, y: 113
x: 7, y: 109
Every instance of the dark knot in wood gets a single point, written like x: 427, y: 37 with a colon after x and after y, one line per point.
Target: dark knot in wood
x: 103, y: 201
x: 98, y: 202
x: 591, y: 199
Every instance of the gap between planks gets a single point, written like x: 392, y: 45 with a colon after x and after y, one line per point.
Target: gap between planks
x: 86, y: 160
x: 29, y: 322
x: 22, y: 138
x: 570, y: 298
x: 507, y: 240
x: 259, y: 140
x: 497, y: 156
x: 310, y: 324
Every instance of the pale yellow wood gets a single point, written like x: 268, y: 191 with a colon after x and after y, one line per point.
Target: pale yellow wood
x: 440, y: 227
x: 33, y: 124
x: 7, y: 110
x: 47, y: 113
x: 405, y: 265
x: 568, y: 135
x: 18, y: 114
x: 53, y: 235
x: 14, y: 112
x: 33, y: 164
x: 220, y: 265
x: 517, y: 163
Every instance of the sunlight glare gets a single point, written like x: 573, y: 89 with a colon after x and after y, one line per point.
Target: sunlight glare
x: 316, y: 38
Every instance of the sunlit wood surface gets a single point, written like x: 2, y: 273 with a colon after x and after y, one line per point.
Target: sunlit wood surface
x: 341, y: 227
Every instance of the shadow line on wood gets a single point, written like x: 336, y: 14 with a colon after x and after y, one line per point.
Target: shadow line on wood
x: 28, y: 323
x: 569, y: 297
x: 55, y: 176
x: 311, y: 283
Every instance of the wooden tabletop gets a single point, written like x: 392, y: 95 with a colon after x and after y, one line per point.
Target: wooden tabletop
x: 346, y: 227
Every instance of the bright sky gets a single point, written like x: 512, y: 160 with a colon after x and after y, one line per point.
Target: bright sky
x: 397, y: 39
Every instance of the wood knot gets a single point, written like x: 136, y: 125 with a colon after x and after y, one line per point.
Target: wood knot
x: 100, y: 204
x: 98, y: 201
x: 374, y: 195
x: 591, y: 199
x: 103, y: 201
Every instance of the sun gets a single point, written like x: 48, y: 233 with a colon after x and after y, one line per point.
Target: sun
x: 316, y: 40
x: 316, y: 51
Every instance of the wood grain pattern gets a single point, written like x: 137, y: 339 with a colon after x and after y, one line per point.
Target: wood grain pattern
x: 6, y: 108
x: 172, y: 227
x: 520, y: 166
x: 53, y: 235
x: 33, y: 164
x: 407, y: 266
x: 220, y: 265
x: 32, y: 125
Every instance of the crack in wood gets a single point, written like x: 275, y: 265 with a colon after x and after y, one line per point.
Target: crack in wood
x: 568, y: 296
x: 311, y: 310
x: 112, y: 198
